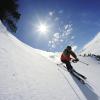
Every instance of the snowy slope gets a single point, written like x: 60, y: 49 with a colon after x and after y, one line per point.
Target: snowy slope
x: 25, y: 74
x: 93, y: 46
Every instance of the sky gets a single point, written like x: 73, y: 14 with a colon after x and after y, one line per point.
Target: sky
x: 51, y: 25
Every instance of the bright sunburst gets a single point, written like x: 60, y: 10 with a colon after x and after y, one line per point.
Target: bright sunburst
x: 43, y: 28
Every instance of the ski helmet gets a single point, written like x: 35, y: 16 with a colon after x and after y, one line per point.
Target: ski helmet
x: 69, y: 47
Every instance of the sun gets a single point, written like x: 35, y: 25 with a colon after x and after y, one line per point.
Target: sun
x: 42, y: 28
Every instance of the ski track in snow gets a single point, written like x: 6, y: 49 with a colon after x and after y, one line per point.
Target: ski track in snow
x: 31, y: 74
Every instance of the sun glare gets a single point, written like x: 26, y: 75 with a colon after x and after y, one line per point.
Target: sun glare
x: 43, y: 28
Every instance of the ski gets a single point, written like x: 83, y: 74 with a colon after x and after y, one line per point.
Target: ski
x: 77, y: 77
x: 75, y: 74
x: 82, y: 76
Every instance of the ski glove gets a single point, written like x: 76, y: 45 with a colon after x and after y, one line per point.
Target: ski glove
x: 75, y: 60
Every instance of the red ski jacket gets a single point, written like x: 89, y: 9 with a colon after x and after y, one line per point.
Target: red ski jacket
x: 65, y: 58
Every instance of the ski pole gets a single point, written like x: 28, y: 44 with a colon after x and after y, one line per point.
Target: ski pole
x: 84, y: 63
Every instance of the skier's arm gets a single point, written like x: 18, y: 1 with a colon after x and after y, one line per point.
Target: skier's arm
x: 74, y: 55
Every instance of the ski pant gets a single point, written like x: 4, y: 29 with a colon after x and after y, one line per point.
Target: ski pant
x: 68, y: 65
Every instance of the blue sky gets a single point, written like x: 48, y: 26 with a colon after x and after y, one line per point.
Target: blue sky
x: 69, y: 22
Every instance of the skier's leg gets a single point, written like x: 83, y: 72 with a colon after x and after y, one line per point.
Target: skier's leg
x: 70, y: 69
x: 69, y: 66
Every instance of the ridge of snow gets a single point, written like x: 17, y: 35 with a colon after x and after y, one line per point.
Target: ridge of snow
x: 93, y: 46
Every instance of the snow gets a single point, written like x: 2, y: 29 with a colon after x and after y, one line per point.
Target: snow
x: 93, y: 46
x: 30, y: 74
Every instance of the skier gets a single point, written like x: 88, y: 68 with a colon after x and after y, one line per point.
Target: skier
x: 65, y: 57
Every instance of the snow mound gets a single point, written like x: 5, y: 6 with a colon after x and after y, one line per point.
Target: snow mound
x: 27, y: 74
x: 93, y: 46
